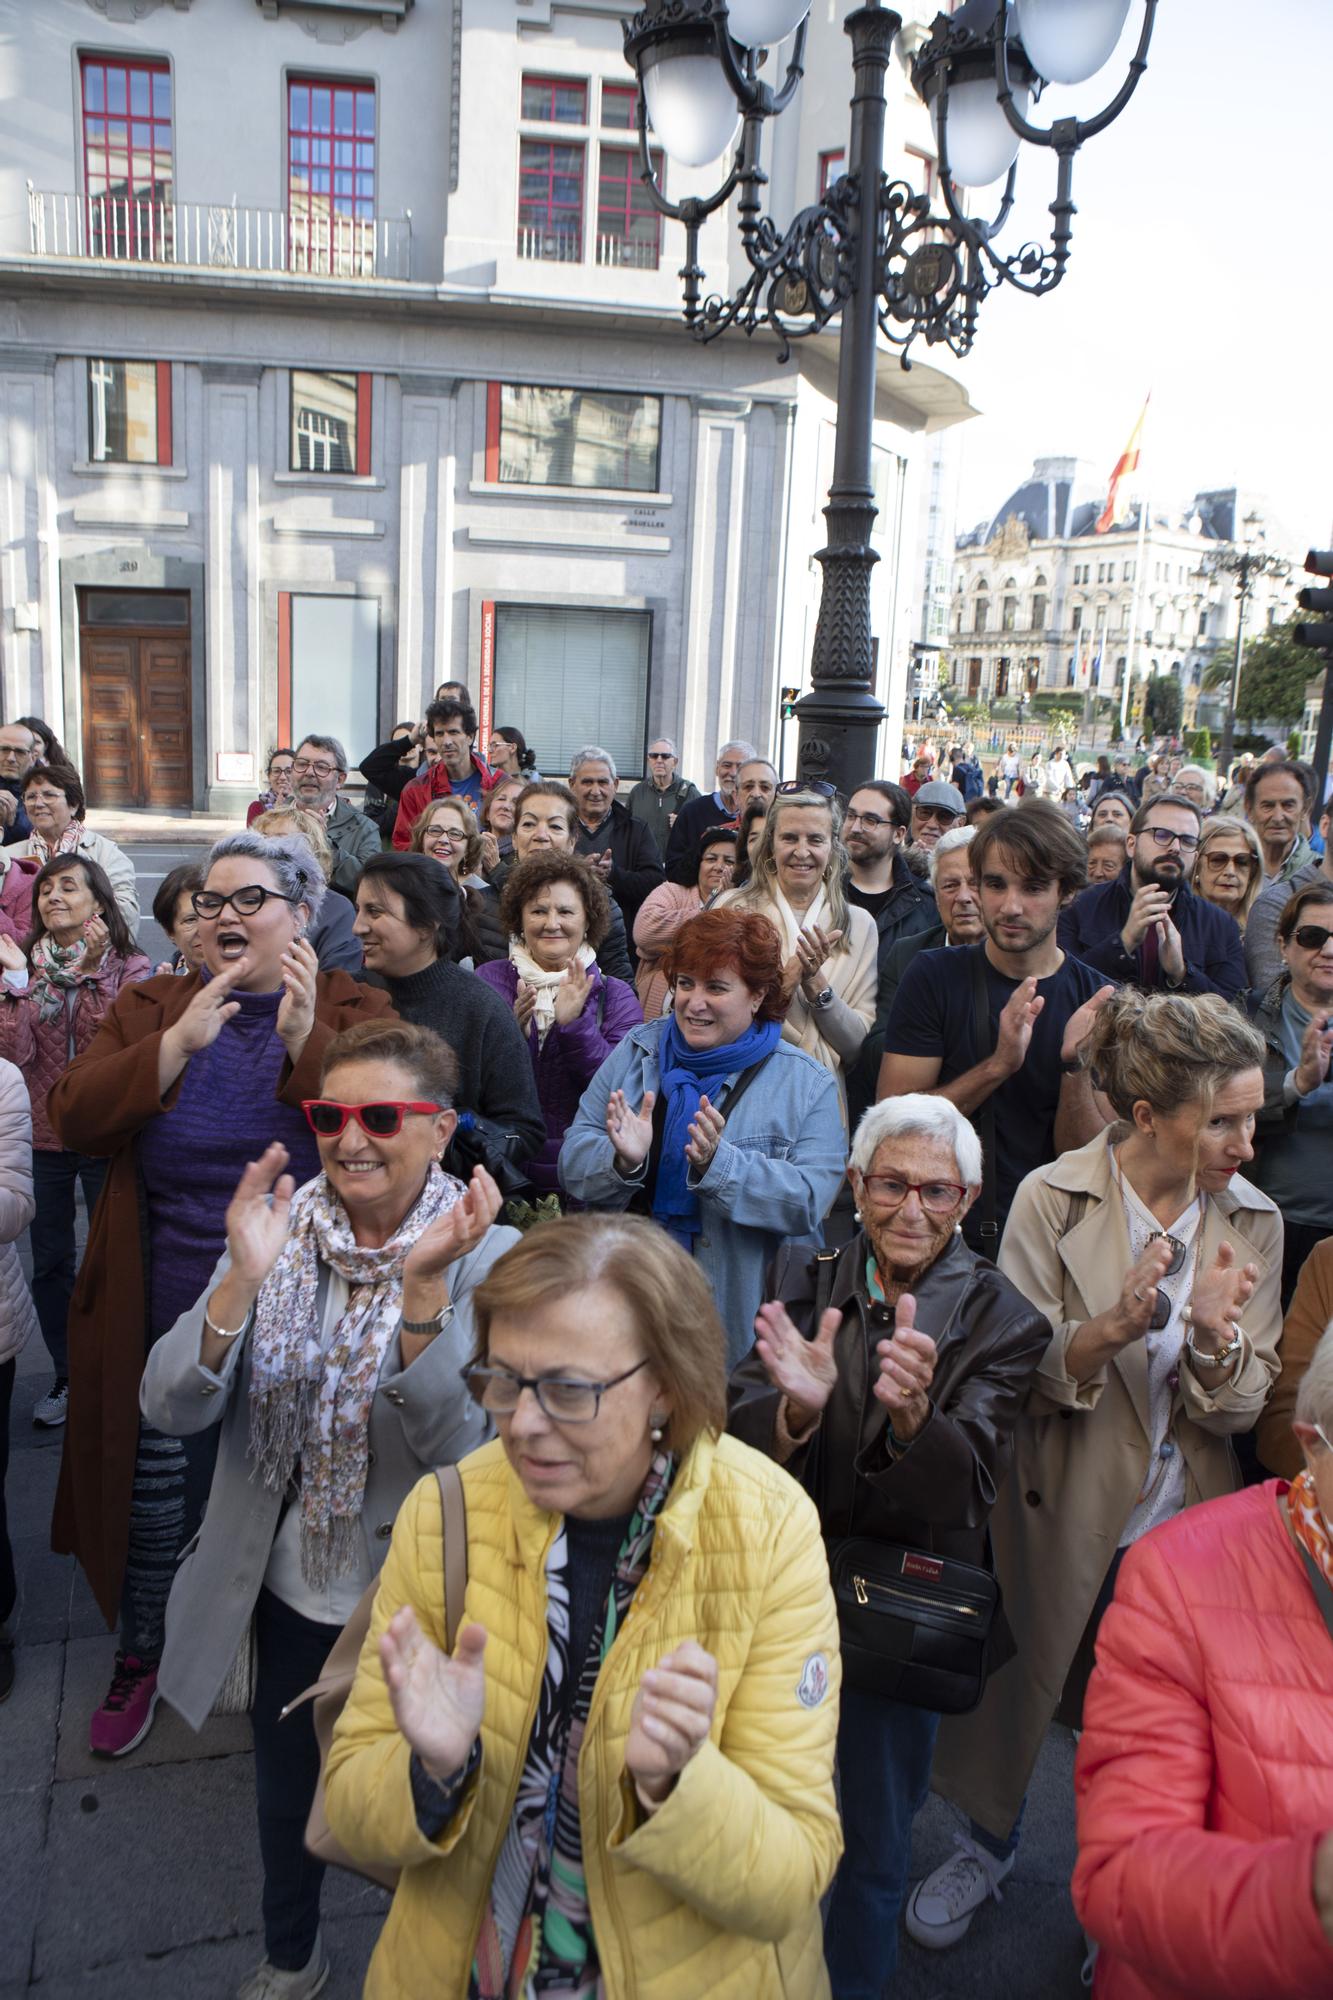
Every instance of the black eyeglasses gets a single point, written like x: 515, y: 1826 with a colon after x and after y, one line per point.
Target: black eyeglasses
x: 1161, y: 1305
x: 1311, y: 937
x: 246, y: 902
x: 820, y: 785
x: 1162, y: 836
x: 872, y: 820
x: 564, y: 1401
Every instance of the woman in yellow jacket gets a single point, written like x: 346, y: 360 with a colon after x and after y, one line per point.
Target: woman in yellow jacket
x: 621, y: 1784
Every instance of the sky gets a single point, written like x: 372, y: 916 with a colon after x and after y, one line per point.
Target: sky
x: 1200, y: 270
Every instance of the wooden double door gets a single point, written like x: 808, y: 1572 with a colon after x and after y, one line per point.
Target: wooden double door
x: 134, y: 649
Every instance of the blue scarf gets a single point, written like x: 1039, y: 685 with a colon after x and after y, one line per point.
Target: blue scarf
x: 686, y: 1074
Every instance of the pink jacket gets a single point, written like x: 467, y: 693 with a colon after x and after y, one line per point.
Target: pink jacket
x: 43, y: 1050
x: 1205, y: 1771
x: 16, y: 898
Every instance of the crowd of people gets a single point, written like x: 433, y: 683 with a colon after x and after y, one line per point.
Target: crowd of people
x: 869, y: 1261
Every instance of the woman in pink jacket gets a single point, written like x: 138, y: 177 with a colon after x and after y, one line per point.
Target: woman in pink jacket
x: 54, y: 993
x: 1205, y: 1771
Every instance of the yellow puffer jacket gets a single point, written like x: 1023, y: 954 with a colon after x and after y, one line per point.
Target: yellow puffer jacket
x: 718, y: 1893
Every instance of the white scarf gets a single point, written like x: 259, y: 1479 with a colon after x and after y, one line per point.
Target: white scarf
x: 787, y: 921
x: 544, y: 984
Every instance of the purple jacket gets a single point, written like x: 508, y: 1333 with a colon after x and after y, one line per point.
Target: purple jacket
x: 571, y: 1058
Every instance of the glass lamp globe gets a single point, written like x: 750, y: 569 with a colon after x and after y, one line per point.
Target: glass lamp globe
x: 691, y: 106
x: 983, y: 145
x: 760, y: 23
x: 1068, y: 41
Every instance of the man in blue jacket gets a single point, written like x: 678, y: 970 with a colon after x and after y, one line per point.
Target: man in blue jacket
x: 1145, y: 928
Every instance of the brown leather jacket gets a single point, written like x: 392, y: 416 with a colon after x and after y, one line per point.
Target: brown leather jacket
x: 936, y: 1494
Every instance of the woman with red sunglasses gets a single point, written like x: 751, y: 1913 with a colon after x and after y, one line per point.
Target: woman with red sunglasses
x: 326, y: 1352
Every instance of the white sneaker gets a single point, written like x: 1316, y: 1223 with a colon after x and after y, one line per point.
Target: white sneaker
x: 268, y: 1982
x: 940, y: 1908
x: 53, y: 1408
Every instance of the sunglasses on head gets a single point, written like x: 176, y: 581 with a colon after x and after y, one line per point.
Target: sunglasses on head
x: 1311, y: 937
x: 820, y: 785
x: 327, y: 1118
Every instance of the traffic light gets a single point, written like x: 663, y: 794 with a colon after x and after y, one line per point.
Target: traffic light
x: 790, y: 697
x: 1319, y: 562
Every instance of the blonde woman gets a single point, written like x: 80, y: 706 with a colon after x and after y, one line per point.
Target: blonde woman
x: 447, y: 832
x: 1229, y: 867
x: 830, y: 950
x: 336, y: 944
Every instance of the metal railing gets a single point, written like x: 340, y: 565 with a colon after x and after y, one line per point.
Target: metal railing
x: 628, y: 253
x: 551, y: 246
x: 217, y: 236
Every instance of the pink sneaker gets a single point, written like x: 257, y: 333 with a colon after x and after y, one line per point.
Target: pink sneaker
x: 126, y: 1716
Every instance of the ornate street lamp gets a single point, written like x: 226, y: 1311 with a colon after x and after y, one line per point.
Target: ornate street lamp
x: 869, y: 252
x: 1246, y: 564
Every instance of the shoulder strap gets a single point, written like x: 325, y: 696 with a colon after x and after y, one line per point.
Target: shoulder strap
x: 1074, y: 1214
x: 1323, y: 1596
x: 454, y: 1508
x: 826, y: 1264
x: 983, y: 1118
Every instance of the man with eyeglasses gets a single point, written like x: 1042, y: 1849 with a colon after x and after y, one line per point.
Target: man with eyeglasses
x: 879, y: 881
x: 1145, y: 928
x: 694, y: 820
x: 656, y: 799
x: 18, y: 750
x: 318, y: 772
x: 936, y: 809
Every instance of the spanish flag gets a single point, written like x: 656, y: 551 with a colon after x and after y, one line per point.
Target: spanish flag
x: 1126, y: 463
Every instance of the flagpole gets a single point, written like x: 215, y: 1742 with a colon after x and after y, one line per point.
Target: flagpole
x: 1136, y: 608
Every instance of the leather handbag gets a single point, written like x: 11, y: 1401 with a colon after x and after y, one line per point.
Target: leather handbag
x: 915, y: 1627
x: 329, y: 1693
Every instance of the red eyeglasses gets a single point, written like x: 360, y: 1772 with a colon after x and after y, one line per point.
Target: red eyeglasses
x: 327, y: 1118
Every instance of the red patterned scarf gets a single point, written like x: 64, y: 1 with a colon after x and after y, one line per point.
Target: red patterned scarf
x: 1308, y: 1523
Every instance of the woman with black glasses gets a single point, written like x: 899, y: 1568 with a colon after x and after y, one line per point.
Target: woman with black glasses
x: 185, y: 1080
x: 324, y: 1354
x: 1295, y: 1017
x: 1158, y: 1266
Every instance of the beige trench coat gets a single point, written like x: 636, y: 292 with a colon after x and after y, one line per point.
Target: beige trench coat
x: 1081, y: 1450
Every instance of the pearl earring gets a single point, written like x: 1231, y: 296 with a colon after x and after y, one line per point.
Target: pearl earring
x: 655, y: 1429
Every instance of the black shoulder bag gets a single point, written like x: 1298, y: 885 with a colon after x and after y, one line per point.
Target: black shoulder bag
x: 914, y: 1627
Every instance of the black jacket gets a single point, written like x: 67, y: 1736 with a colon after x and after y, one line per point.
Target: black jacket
x: 1090, y: 928
x: 636, y: 865
x: 937, y: 1494
x: 910, y: 911
x: 692, y: 823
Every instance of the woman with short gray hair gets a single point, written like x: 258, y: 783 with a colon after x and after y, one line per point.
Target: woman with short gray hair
x: 185, y: 1082
x: 888, y: 1378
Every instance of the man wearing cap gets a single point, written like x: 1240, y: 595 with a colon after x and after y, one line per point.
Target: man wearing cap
x: 936, y: 807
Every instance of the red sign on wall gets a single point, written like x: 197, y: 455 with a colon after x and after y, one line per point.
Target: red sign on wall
x: 487, y: 690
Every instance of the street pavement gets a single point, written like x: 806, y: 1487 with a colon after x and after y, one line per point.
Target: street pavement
x: 140, y: 1880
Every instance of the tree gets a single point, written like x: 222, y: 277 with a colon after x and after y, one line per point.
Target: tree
x: 1163, y: 705
x: 1200, y: 747
x: 1274, y: 675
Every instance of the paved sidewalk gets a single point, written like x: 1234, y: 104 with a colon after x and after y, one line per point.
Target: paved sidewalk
x: 140, y: 1880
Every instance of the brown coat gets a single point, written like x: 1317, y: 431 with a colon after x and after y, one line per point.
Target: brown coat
x: 100, y: 1105
x: 1081, y: 1450
x: 1308, y: 1315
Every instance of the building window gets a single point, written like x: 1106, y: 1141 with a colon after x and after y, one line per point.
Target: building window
x: 831, y: 166
x: 550, y: 201
x: 1038, y: 612
x: 328, y: 667
x: 620, y: 106
x: 556, y: 100
x: 330, y: 429
x: 331, y: 177
x: 129, y: 412
x: 980, y: 614
x: 127, y: 168
x: 926, y: 169
x: 974, y: 676
x: 1129, y: 572
x: 572, y: 437
x: 575, y: 676
x: 629, y: 228
x: 1009, y: 615
x: 1076, y: 619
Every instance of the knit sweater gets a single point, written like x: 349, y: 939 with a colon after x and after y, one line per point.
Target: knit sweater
x: 42, y: 1049
x: 494, y: 1073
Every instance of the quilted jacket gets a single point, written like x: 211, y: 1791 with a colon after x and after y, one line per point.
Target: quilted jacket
x: 1205, y: 1770
x: 43, y: 1049
x: 718, y: 1892
x: 18, y: 1316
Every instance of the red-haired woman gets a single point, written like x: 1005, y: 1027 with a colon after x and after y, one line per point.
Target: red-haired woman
x: 669, y: 1123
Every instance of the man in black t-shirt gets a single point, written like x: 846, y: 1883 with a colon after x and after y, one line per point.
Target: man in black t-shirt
x: 1027, y: 862
x: 874, y: 830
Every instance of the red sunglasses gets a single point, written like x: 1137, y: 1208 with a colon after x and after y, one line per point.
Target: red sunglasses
x: 327, y: 1118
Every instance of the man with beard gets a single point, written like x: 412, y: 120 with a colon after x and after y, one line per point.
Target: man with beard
x: 1145, y: 928
x: 319, y: 772
x: 996, y: 1027
x: 888, y: 1377
x: 874, y: 828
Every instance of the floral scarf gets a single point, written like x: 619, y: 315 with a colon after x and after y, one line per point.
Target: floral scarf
x: 57, y: 969
x: 1308, y: 1524
x: 310, y: 1404
x: 68, y: 842
x: 544, y: 984
x: 536, y: 1936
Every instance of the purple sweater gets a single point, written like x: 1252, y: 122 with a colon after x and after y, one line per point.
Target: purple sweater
x: 572, y: 1056
x: 192, y: 1156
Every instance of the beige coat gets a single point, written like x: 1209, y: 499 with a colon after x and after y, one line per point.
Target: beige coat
x: 1081, y: 1450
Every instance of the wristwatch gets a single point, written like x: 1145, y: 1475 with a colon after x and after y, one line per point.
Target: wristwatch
x: 430, y: 1327
x: 1224, y: 1355
x: 1071, y: 1067
x: 823, y: 1000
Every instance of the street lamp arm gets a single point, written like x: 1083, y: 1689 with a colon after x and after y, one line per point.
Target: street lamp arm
x: 1059, y: 134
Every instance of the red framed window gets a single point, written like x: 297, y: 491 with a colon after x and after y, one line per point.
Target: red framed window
x: 129, y: 412
x: 926, y: 169
x: 620, y: 107
x: 831, y: 165
x: 550, y: 200
x: 555, y: 100
x: 128, y: 176
x: 330, y: 423
x: 331, y: 176
x: 629, y: 228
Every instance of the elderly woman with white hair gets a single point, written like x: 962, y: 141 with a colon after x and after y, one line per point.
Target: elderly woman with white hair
x: 1205, y: 1769
x: 888, y: 1377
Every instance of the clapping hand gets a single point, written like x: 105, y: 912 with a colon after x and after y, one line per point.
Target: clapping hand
x: 1220, y: 1296
x: 525, y: 1004
x: 212, y: 1006
x: 1079, y: 1025
x: 437, y: 1702
x: 804, y: 1370
x: 571, y: 995
x: 454, y: 1231
x: 670, y: 1720
x: 1316, y: 1048
x: 257, y: 1217
x: 706, y: 1129
x: 1018, y: 1017
x: 296, y: 1010
x: 630, y: 1132
x: 814, y: 947
x: 1138, y: 1294
x: 11, y: 952
x: 1170, y: 951
x: 96, y: 940
x: 906, y: 1371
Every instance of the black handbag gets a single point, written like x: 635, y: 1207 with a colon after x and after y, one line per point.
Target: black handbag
x: 479, y: 1142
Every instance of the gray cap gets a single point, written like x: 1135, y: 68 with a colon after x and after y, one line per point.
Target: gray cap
x: 940, y: 793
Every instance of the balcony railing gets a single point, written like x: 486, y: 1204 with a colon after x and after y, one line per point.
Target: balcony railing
x: 216, y: 236
x: 628, y: 253
x: 550, y: 246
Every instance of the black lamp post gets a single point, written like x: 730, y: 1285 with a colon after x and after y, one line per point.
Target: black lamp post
x: 869, y: 252
x: 1246, y: 564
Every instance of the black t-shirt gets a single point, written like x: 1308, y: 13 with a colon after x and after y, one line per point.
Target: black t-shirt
x: 864, y: 899
x: 934, y: 1015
